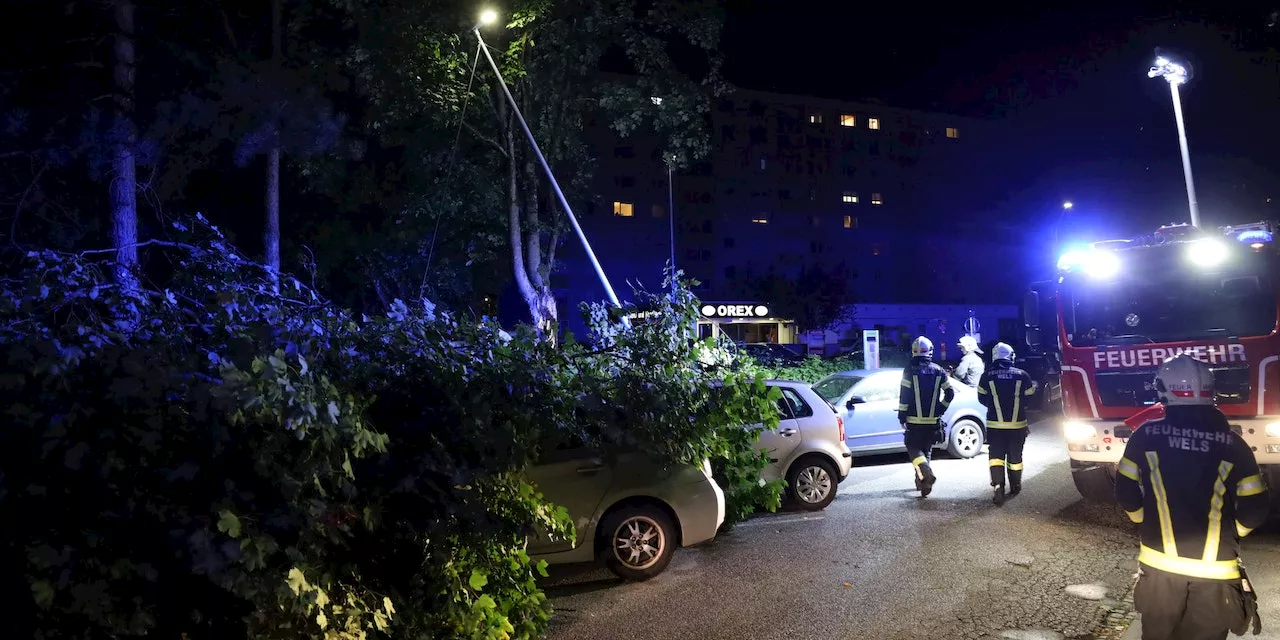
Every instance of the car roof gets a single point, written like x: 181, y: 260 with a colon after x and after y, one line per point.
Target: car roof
x: 863, y: 373
x: 794, y: 383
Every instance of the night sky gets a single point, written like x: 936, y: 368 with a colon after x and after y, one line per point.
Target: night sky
x: 1072, y: 81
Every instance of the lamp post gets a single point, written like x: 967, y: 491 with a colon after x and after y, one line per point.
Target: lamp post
x: 671, y: 215
x: 1177, y: 74
x: 1067, y: 205
x: 489, y: 17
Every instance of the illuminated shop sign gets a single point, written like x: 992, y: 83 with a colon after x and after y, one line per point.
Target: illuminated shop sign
x: 735, y: 311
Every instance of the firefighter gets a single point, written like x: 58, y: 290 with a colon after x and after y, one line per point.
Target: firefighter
x: 926, y: 391
x: 969, y: 371
x: 1194, y: 487
x: 1003, y: 390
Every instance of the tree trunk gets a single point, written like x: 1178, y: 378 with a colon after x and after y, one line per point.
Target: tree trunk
x: 537, y: 295
x: 271, y: 236
x: 123, y: 189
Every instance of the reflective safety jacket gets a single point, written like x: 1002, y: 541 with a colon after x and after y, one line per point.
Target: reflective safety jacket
x: 926, y: 392
x: 1003, y: 390
x: 1195, y: 488
x: 970, y: 369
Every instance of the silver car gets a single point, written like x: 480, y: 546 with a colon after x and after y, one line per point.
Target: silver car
x: 808, y: 447
x: 868, y: 401
x: 632, y: 513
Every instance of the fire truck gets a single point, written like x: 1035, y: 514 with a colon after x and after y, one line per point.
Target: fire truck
x: 1124, y: 306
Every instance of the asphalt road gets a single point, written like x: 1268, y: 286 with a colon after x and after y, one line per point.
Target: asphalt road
x: 881, y: 563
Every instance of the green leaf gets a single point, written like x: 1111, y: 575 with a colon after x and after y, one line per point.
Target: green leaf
x: 228, y: 523
x: 296, y: 581
x: 42, y: 591
x: 541, y: 568
x: 485, y: 602
x: 478, y: 579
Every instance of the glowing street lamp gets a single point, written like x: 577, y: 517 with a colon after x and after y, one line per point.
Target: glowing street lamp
x: 1177, y: 74
x: 1068, y: 205
x: 487, y: 17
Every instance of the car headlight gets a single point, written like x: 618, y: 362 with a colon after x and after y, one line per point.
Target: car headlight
x: 1079, y: 431
x: 1273, y: 429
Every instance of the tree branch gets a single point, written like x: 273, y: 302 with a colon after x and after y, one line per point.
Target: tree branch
x: 486, y: 139
x: 17, y: 209
x: 138, y: 245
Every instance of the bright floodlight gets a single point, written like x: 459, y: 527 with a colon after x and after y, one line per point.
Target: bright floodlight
x: 1072, y: 259
x: 1068, y: 204
x: 1102, y: 265
x: 1208, y: 252
x: 488, y: 16
x: 1096, y: 263
x: 1169, y: 70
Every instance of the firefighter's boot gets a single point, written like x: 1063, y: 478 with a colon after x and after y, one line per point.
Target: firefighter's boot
x: 997, y: 482
x: 926, y: 481
x: 1015, y: 482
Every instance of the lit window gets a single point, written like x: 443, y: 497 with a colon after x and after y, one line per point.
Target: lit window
x: 848, y: 120
x: 761, y: 218
x: 873, y: 123
x: 815, y: 118
x: 623, y: 209
x: 762, y: 163
x: 953, y: 132
x: 851, y: 197
x: 659, y: 211
x: 850, y: 222
x: 875, y: 199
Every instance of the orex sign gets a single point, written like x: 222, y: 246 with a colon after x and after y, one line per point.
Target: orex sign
x: 735, y: 311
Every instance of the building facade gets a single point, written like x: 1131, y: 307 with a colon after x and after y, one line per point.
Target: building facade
x: 895, y: 197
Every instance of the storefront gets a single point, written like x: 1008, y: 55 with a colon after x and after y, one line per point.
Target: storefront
x: 745, y: 322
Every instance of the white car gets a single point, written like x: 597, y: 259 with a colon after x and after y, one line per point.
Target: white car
x: 868, y: 401
x: 808, y: 447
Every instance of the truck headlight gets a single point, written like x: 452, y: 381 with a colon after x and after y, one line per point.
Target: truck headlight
x: 1079, y: 431
x: 1273, y: 429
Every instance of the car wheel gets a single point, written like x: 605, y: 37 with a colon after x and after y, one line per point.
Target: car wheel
x: 638, y: 542
x: 812, y: 483
x: 965, y: 439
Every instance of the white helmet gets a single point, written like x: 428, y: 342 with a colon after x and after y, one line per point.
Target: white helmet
x: 1184, y: 380
x: 922, y: 346
x: 1002, y: 351
x: 969, y: 345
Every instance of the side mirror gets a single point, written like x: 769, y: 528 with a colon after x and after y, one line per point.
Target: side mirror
x: 1033, y: 336
x: 1031, y: 309
x: 856, y: 400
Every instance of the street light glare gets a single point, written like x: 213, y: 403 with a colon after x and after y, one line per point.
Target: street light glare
x: 488, y: 16
x: 1169, y: 70
x: 1067, y: 205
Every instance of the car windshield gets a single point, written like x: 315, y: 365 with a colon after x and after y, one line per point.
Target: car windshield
x: 1157, y: 297
x: 833, y: 388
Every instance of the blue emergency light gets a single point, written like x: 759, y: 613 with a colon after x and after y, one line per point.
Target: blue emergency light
x: 1254, y: 235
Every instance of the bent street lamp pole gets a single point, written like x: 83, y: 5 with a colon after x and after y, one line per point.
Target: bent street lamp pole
x: 489, y: 17
x: 1176, y: 74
